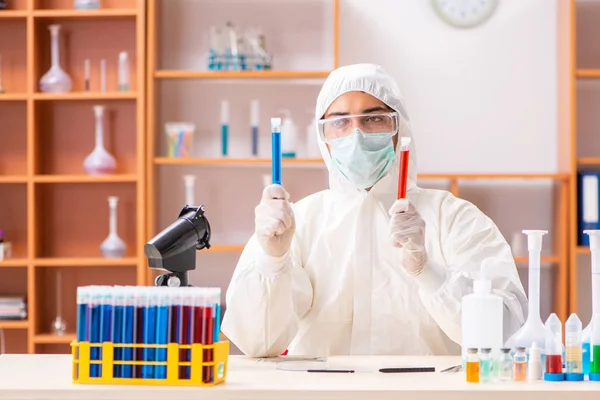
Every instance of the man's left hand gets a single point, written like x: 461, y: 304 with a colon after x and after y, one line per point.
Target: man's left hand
x: 407, y: 231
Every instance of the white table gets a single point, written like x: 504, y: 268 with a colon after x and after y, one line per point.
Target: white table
x: 49, y: 377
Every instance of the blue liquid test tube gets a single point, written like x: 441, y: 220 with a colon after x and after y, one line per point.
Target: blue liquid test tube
x: 105, y: 319
x: 83, y: 299
x: 128, y: 331
x: 276, y: 150
x: 94, y: 329
x: 149, y: 335
x: 162, y: 331
x: 224, y: 127
x: 118, y: 302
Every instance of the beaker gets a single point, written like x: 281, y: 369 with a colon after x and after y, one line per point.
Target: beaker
x: 180, y: 137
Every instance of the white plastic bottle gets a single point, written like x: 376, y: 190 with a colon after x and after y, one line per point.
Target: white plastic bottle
x: 534, y: 365
x: 312, y: 144
x: 482, y: 314
x: 288, y: 136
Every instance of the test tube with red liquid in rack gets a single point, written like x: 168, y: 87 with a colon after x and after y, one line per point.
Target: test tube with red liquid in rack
x: 554, y: 369
x: 403, y: 175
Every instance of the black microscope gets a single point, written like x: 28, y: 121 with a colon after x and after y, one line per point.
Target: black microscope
x: 174, y: 249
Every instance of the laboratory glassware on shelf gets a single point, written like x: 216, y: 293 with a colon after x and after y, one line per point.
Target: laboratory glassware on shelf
x: 123, y: 72
x: 554, y: 371
x: 87, y: 4
x: 289, y: 134
x: 594, y: 236
x: 55, y: 80
x: 254, y: 124
x: 224, y: 127
x: 99, y: 161
x: 180, y: 137
x: 113, y: 246
x: 533, y: 330
x: 5, y: 247
x: 231, y: 51
x: 59, y: 325
x: 574, y: 369
x: 189, y: 181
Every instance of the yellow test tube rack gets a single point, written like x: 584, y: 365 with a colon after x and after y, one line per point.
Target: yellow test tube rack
x: 82, y: 363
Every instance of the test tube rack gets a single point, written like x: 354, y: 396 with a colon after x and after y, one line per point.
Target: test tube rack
x: 82, y: 363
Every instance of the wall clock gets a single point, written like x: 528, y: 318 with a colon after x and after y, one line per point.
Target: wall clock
x: 464, y: 13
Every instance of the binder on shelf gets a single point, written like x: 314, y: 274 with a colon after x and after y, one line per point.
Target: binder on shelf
x: 588, y: 207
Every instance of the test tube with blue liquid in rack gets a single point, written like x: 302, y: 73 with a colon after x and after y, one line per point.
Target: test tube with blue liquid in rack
x: 276, y: 150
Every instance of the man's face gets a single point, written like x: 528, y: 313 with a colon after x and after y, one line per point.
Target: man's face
x: 353, y: 103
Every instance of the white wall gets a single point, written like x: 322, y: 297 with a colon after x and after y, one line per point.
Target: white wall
x: 492, y: 87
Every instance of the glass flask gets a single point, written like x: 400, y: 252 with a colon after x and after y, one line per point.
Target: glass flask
x: 99, y: 161
x: 55, y: 80
x: 87, y: 4
x: 59, y: 325
x: 113, y: 246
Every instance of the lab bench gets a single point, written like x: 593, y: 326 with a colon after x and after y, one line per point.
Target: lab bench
x: 45, y: 377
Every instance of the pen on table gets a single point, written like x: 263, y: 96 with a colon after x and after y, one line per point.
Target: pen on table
x: 407, y: 370
x: 347, y: 371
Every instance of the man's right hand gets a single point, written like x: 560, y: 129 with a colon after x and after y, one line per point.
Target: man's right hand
x: 274, y: 221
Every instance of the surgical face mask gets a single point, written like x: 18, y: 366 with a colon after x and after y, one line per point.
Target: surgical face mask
x: 363, y: 159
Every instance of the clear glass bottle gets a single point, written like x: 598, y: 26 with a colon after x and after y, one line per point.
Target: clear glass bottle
x: 99, y: 161
x: 505, y: 365
x: 113, y: 246
x: 520, y: 365
x: 472, y: 367
x: 55, y: 80
x: 485, y: 365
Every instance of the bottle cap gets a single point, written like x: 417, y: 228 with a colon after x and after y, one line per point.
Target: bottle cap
x: 554, y: 377
x: 535, y: 351
x: 505, y: 350
x: 573, y: 377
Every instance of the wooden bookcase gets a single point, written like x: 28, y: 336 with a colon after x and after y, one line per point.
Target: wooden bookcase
x: 580, y: 84
x: 55, y: 215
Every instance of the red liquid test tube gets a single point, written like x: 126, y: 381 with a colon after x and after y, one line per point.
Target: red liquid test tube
x: 185, y: 333
x: 403, y: 173
x: 554, y: 364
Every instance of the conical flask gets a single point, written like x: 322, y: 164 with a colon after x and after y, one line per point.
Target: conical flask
x: 533, y: 330
x: 587, y: 332
x: 99, y: 161
x: 113, y: 246
x: 55, y: 80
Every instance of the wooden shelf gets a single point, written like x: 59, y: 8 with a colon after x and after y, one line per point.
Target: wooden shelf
x: 14, y: 324
x: 85, y: 262
x: 494, y: 176
x: 14, y: 262
x: 49, y: 338
x: 588, y: 73
x: 543, y: 259
x: 225, y: 161
x: 86, y: 96
x: 174, y: 74
x: 13, y: 96
x: 102, y: 13
x: 588, y: 161
x: 13, y: 14
x: 85, y: 178
x: 13, y: 179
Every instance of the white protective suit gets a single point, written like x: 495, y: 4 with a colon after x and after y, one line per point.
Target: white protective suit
x: 341, y: 290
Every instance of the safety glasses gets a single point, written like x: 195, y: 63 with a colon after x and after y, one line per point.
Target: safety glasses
x: 342, y: 126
